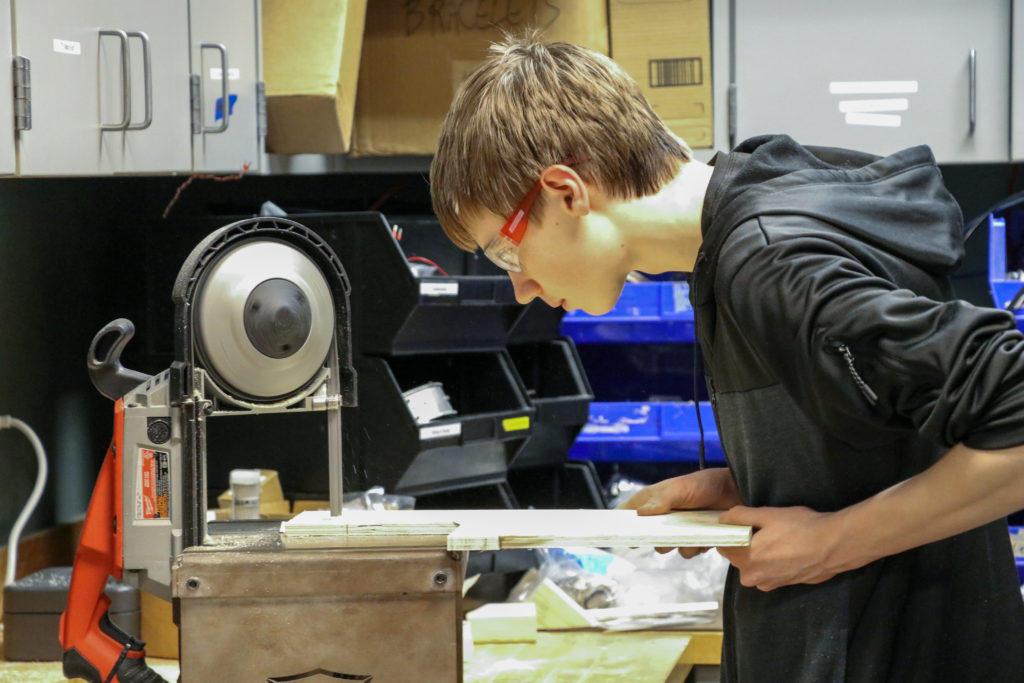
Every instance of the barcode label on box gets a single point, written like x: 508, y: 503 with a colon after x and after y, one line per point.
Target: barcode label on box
x: 440, y: 431
x: 666, y: 73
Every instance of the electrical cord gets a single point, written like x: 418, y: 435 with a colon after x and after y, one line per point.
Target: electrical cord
x: 1002, y: 205
x: 7, y: 421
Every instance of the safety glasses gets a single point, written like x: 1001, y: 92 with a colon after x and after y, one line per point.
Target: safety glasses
x: 503, y: 249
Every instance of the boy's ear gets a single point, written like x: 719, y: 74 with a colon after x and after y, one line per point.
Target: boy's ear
x: 563, y: 187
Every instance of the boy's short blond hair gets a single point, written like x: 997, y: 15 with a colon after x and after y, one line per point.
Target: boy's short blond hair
x: 532, y: 104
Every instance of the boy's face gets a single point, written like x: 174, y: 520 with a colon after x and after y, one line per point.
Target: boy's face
x: 570, y: 259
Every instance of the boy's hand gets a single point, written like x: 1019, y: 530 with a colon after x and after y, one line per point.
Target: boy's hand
x: 790, y: 545
x: 710, y: 489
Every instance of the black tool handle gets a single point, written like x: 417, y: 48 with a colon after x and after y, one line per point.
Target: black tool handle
x: 130, y: 667
x: 112, y: 379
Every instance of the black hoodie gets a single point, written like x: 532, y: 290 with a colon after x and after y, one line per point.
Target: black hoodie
x: 839, y: 364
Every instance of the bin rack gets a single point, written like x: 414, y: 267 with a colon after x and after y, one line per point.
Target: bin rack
x: 395, y: 312
x: 554, y: 380
x: 645, y: 312
x: 647, y: 432
x: 651, y: 331
x: 1000, y: 266
x: 540, y: 474
x: 389, y: 448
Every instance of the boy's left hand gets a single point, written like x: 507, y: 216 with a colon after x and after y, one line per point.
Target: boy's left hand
x: 790, y: 545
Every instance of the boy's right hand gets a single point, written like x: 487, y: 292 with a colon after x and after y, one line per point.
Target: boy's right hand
x: 710, y: 489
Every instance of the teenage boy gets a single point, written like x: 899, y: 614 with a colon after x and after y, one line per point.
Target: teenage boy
x: 871, y: 422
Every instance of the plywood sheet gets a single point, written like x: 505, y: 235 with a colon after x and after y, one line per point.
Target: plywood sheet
x: 580, y: 657
x: 496, y: 529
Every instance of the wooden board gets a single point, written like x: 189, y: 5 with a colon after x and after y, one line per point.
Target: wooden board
x: 496, y: 529
x: 581, y: 657
x: 557, y: 611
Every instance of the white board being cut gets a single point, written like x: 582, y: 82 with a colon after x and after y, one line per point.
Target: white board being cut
x: 496, y: 529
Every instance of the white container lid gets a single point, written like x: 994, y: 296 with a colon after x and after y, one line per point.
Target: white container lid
x: 245, y: 477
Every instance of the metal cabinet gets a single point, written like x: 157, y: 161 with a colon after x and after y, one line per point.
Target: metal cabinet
x: 57, y: 50
x: 224, y: 39
x: 8, y: 163
x: 1017, y: 86
x: 876, y: 75
x: 132, y: 86
x: 153, y: 139
x: 109, y: 86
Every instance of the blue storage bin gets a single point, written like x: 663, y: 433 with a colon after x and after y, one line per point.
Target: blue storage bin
x: 1002, y: 287
x: 647, y: 432
x: 645, y: 312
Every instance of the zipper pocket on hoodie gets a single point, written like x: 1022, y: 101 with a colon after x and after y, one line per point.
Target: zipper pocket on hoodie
x: 844, y: 351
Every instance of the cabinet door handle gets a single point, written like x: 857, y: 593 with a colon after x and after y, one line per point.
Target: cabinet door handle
x: 972, y: 94
x: 147, y: 74
x: 126, y: 92
x: 225, y: 102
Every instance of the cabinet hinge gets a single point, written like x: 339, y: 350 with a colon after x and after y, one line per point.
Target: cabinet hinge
x: 22, y: 93
x: 261, y: 109
x: 195, y: 93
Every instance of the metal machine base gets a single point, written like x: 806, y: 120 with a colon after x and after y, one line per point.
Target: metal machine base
x: 387, y: 616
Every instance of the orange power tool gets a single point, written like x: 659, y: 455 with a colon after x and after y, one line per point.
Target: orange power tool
x: 95, y: 649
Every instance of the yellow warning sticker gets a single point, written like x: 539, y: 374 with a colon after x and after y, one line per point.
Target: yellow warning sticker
x: 515, y: 424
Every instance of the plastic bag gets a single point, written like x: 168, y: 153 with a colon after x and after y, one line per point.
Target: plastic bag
x: 375, y: 499
x: 635, y: 588
x: 620, y: 489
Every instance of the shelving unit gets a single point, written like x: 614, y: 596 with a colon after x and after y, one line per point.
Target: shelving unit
x: 639, y: 357
x: 518, y: 390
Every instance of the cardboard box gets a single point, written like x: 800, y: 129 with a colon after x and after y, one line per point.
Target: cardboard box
x: 665, y: 45
x: 416, y: 52
x: 302, y: 505
x: 159, y: 631
x: 310, y: 65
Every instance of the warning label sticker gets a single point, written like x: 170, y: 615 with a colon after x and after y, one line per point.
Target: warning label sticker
x: 153, y: 487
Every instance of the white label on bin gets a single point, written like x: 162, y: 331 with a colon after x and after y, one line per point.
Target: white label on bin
x: 439, y: 288
x: 233, y: 73
x: 440, y: 431
x: 67, y: 47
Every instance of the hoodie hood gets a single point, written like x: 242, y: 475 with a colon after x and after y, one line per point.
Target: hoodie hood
x: 897, y: 203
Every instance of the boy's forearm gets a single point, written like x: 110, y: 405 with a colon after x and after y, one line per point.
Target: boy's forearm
x: 963, y: 490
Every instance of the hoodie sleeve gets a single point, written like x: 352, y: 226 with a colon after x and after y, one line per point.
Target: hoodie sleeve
x: 869, y: 361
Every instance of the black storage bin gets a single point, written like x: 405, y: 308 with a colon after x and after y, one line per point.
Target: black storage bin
x: 32, y: 609
x: 394, y: 311
x: 557, y: 387
x: 473, y: 447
